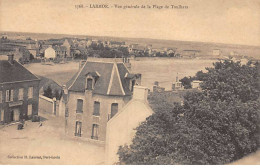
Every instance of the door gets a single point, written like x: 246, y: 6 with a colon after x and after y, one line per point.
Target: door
x: 11, y: 115
x: 29, y: 110
x: 78, y: 128
x: 16, y: 114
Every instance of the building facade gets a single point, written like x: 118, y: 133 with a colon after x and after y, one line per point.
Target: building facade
x: 94, y: 95
x: 121, y: 128
x: 19, y: 92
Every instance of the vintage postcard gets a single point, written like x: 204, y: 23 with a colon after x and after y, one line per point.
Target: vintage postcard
x: 129, y: 82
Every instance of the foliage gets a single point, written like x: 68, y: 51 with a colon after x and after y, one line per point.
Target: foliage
x: 218, y: 125
x: 186, y: 82
x: 50, y: 94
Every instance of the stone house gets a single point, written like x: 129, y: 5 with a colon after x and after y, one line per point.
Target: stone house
x: 19, y: 92
x: 94, y: 95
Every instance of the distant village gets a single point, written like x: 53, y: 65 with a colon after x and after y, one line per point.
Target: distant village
x: 103, y: 102
x: 28, y: 50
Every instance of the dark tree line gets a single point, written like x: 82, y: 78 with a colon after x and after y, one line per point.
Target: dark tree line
x: 217, y: 125
x: 50, y: 94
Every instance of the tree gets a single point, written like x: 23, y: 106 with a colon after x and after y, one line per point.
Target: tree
x: 186, y: 82
x: 57, y: 95
x: 217, y: 125
x: 48, y: 92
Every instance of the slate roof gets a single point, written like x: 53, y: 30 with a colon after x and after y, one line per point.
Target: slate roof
x: 111, y: 78
x: 59, y: 48
x: 14, y: 72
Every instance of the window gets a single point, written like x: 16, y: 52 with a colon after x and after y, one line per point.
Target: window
x: 30, y: 92
x: 7, y: 95
x: 94, y: 132
x: 79, y: 106
x: 20, y: 94
x: 78, y: 128
x: 114, y: 109
x: 89, y: 84
x: 96, y: 108
x: 2, y: 115
x: 12, y: 95
x: 29, y: 113
x: 1, y: 96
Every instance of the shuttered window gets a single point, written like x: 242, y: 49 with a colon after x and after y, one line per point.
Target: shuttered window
x: 20, y: 94
x: 30, y: 92
x: 7, y: 95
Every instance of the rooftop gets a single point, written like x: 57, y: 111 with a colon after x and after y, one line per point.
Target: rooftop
x: 110, y: 78
x: 14, y: 72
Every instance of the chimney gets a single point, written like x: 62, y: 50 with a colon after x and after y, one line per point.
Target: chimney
x: 65, y: 90
x: 140, y: 93
x: 11, y: 59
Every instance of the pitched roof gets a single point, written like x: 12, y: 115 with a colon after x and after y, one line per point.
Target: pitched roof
x: 14, y: 72
x: 59, y: 48
x: 111, y: 78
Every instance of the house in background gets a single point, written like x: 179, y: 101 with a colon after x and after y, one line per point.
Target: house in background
x: 70, y: 46
x: 94, y: 95
x: 177, y: 85
x: 50, y: 53
x: 121, y: 128
x: 19, y: 91
x: 196, y: 84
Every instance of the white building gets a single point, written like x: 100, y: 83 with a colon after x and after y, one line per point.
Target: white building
x: 49, y: 53
x: 120, y: 129
x: 196, y: 84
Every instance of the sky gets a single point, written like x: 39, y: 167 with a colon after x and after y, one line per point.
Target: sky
x: 222, y: 21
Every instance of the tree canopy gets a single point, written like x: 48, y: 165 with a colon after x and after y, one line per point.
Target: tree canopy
x: 217, y: 125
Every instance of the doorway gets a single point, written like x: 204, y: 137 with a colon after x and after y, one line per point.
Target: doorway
x: 12, y: 115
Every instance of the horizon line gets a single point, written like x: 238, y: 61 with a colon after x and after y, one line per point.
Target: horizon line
x: 251, y: 45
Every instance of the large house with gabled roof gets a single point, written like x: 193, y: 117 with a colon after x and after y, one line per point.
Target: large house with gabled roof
x: 19, y: 91
x: 94, y: 95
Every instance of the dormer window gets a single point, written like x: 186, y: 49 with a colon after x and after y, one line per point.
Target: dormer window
x: 91, y: 79
x: 89, y: 83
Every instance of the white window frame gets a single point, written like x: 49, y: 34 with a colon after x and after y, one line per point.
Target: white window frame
x: 20, y: 94
x: 30, y: 92
x: 7, y: 95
